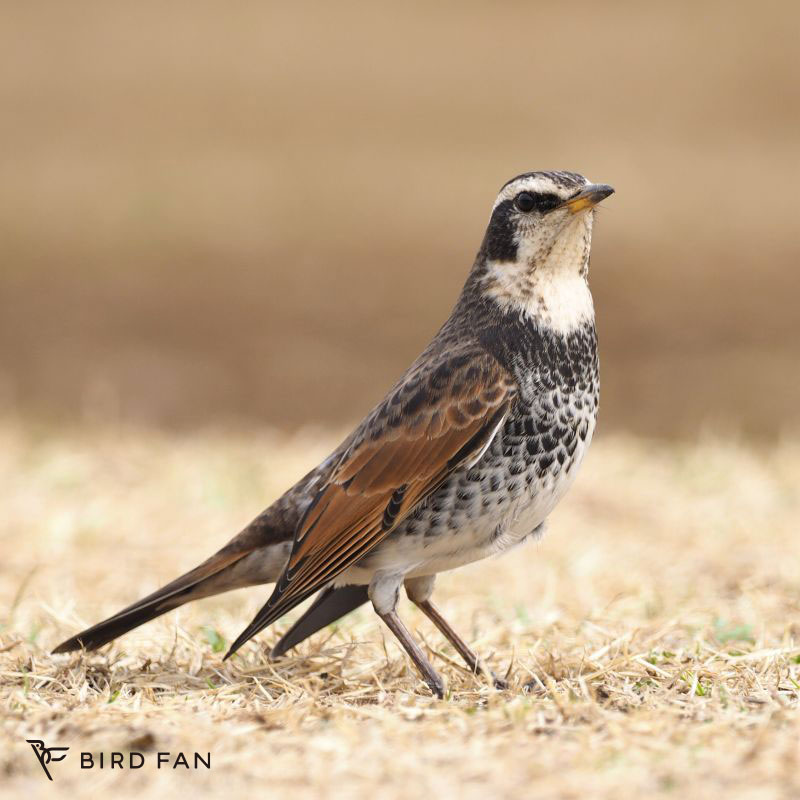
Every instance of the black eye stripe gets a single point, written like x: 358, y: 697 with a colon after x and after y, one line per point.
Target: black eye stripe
x: 536, y: 201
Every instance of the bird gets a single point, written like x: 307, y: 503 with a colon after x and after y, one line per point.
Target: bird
x: 464, y: 458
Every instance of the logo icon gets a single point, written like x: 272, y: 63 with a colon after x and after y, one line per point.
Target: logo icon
x: 47, y: 754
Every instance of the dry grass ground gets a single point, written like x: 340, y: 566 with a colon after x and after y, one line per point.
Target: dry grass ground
x: 652, y: 639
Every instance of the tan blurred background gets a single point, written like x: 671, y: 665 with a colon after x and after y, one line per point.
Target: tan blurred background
x: 230, y: 213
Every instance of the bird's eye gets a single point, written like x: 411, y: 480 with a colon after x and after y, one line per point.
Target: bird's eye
x: 524, y: 202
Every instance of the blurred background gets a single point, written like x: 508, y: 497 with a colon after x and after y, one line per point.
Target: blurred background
x: 230, y: 214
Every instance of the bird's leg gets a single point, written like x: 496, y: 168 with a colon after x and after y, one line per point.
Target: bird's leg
x: 383, y: 592
x: 419, y: 591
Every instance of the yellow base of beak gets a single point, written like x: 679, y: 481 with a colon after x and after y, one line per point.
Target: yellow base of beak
x: 588, y: 197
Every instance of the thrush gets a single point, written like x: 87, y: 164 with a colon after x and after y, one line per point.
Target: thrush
x: 464, y: 458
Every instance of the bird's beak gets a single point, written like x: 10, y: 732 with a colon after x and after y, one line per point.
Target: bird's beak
x: 588, y: 197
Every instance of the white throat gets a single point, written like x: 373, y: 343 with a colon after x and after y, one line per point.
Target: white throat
x: 547, y: 283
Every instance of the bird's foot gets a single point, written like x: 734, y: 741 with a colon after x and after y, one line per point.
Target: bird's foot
x: 436, y: 685
x: 498, y: 683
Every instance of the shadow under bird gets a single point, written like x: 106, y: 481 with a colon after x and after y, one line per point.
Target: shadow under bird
x: 464, y: 458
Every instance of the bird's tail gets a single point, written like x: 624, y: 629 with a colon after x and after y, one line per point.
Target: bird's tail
x: 230, y: 568
x: 225, y: 570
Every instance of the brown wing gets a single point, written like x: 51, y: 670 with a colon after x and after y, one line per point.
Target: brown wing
x: 442, y: 415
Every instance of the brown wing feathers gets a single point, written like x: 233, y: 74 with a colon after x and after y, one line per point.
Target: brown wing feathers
x: 432, y: 422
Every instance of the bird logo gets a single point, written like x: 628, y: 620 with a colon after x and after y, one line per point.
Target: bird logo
x: 45, y: 755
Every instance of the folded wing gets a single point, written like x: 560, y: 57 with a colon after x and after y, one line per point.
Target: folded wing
x: 442, y: 415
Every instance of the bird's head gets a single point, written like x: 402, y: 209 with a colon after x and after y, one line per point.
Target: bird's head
x: 535, y: 255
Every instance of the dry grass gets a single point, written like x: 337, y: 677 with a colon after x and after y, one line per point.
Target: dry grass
x: 651, y: 639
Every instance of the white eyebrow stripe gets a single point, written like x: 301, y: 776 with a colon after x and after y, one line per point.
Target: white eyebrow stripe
x: 530, y: 183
